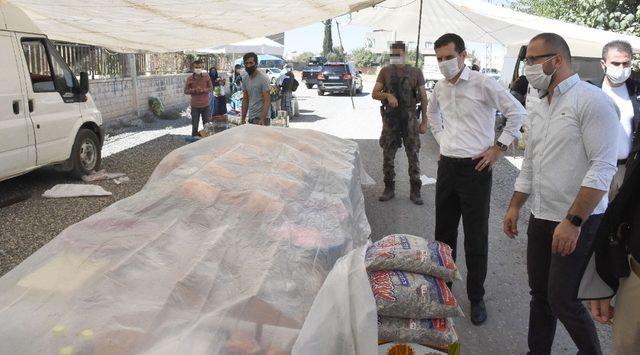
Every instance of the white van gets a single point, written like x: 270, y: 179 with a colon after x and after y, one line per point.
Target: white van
x: 46, y: 115
x: 588, y: 68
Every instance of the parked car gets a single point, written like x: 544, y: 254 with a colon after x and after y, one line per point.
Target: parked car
x: 310, y: 75
x: 46, y: 115
x: 339, y: 77
x: 273, y: 74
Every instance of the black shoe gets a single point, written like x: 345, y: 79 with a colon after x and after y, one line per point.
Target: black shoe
x: 478, y: 312
x: 389, y: 191
x: 414, y: 196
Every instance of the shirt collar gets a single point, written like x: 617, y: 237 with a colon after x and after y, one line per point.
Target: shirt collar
x: 463, y: 76
x: 567, y: 84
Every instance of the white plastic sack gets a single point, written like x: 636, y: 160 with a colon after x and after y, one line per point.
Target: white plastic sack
x: 75, y: 190
x: 226, y: 246
x: 343, y: 318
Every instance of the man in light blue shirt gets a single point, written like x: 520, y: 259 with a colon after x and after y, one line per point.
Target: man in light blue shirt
x: 569, y: 162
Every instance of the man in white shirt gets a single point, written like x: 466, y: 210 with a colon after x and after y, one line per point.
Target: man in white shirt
x: 616, y: 63
x: 568, y: 165
x: 462, y: 113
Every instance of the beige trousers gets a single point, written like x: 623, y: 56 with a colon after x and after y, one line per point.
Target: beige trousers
x: 626, y: 322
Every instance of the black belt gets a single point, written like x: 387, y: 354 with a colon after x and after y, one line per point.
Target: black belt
x: 622, y: 161
x: 457, y: 160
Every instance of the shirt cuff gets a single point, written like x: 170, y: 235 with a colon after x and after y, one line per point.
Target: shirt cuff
x: 506, y: 139
x: 522, y: 185
x: 601, y: 179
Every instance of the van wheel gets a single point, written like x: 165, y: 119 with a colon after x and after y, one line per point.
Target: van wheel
x: 86, y: 154
x: 320, y: 92
x: 309, y: 86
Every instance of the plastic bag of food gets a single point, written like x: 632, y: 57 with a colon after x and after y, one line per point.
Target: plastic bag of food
x: 436, y: 333
x: 409, y: 295
x: 156, y: 105
x: 413, y: 254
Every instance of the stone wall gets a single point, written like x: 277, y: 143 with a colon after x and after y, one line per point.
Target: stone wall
x: 114, y: 97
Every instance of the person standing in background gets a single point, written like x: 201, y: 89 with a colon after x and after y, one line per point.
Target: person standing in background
x: 255, y: 101
x: 198, y: 85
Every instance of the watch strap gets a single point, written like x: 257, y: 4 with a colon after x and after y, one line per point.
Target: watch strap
x: 575, y: 220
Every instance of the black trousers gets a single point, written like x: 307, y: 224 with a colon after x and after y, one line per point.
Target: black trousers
x: 463, y: 191
x: 196, y: 113
x: 554, y: 281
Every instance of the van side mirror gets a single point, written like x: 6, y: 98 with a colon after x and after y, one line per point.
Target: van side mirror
x: 84, y: 83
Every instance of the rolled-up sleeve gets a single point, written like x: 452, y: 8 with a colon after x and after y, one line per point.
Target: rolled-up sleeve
x: 510, y: 108
x: 524, y: 181
x: 599, y: 127
x: 434, y: 115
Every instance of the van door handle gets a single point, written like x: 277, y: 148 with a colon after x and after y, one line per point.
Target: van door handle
x: 16, y: 107
x: 30, y: 105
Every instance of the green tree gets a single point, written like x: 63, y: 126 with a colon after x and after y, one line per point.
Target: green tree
x: 336, y: 55
x: 303, y: 57
x: 411, y: 58
x: 363, y: 57
x: 621, y: 16
x: 327, y: 44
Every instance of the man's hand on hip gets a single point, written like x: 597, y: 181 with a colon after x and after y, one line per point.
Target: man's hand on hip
x: 565, y: 238
x: 488, y: 158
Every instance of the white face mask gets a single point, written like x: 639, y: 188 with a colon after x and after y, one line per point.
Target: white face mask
x: 449, y: 68
x: 536, y: 76
x: 396, y: 60
x: 618, y: 75
x: 199, y: 71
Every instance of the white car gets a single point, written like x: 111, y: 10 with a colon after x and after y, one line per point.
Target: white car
x: 273, y: 74
x: 47, y: 116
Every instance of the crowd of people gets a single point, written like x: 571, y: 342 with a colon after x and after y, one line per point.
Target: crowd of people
x: 580, y: 172
x: 261, y: 100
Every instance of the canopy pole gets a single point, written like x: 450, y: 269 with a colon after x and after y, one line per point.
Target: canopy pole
x: 419, y: 29
x: 353, y: 79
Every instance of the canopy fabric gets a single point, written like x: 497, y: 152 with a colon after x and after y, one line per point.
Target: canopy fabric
x: 175, y: 25
x: 479, y: 21
x: 261, y: 45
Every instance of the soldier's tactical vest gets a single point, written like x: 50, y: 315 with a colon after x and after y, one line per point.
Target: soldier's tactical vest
x: 401, y: 88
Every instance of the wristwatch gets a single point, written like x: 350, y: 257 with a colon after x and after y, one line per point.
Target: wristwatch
x: 501, y: 146
x: 575, y: 220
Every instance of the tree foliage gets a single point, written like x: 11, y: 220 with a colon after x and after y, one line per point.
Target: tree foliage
x: 621, y: 16
x: 303, y: 57
x: 327, y: 43
x: 336, y: 55
x: 363, y: 57
x: 411, y: 58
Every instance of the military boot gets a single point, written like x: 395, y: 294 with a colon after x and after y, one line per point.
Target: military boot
x: 389, y: 191
x: 414, y: 195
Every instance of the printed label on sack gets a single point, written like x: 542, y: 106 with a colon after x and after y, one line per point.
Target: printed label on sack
x: 382, y: 286
x: 403, y: 278
x: 439, y: 325
x: 440, y: 255
x: 440, y: 291
x: 404, y: 242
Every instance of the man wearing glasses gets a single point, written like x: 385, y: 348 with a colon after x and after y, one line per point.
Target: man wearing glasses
x: 568, y: 165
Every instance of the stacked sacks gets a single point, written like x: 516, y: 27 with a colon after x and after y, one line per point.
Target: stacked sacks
x: 408, y: 276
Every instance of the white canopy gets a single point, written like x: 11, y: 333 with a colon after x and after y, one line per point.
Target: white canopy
x: 173, y: 25
x: 261, y: 45
x: 479, y: 21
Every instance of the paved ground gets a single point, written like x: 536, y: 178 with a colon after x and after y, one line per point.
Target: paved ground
x: 28, y: 225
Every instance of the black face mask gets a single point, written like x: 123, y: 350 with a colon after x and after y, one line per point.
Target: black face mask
x: 250, y: 70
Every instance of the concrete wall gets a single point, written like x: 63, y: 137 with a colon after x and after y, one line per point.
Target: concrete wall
x: 114, y: 97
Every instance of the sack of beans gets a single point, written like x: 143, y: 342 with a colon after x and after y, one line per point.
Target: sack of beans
x: 436, y: 333
x: 409, y: 295
x: 409, y: 253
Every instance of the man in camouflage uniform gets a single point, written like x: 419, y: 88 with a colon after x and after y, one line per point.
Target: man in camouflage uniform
x: 400, y: 88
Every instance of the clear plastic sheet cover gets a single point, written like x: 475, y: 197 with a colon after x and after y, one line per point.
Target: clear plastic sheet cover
x: 222, y: 252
